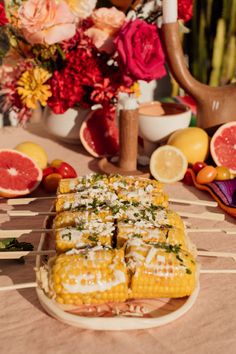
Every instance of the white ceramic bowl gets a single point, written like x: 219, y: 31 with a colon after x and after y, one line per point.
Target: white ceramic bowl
x: 157, y: 120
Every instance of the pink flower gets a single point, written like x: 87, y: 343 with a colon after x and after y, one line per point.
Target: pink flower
x: 108, y: 20
x: 46, y: 21
x: 102, y: 40
x: 140, y: 52
x: 107, y: 23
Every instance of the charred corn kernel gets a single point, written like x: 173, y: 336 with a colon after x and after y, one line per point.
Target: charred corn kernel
x: 80, y: 183
x: 106, y: 280
x: 79, y: 218
x: 88, y: 233
x: 160, y: 270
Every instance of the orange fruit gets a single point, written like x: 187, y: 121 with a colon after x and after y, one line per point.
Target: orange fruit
x: 50, y: 182
x: 19, y: 174
x: 168, y: 164
x: 193, y: 142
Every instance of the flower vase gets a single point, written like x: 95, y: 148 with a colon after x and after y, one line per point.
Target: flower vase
x: 65, y: 126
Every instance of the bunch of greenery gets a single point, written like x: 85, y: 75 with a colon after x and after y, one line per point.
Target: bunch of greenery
x: 212, y: 58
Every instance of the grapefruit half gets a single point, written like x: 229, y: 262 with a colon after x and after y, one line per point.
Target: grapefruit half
x: 223, y: 146
x: 19, y: 174
x: 99, y: 133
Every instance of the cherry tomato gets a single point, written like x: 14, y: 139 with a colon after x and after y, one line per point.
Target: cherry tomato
x: 47, y: 171
x: 206, y: 175
x: 56, y: 163
x: 188, y: 178
x: 66, y: 170
x: 198, y: 166
x: 51, y: 182
x: 222, y: 173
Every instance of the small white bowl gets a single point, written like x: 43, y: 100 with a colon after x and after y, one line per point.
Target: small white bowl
x: 157, y: 120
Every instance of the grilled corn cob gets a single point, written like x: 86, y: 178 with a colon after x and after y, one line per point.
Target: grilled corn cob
x: 78, y: 218
x: 91, y: 276
x: 149, y: 216
x: 90, y: 198
x: 159, y: 270
x: 152, y: 234
x: 142, y: 190
x: 87, y: 233
x: 81, y: 183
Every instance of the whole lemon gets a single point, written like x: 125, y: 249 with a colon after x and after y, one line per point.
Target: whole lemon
x: 35, y: 151
x: 193, y: 142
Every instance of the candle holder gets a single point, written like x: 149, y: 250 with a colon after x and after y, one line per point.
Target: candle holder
x: 128, y: 137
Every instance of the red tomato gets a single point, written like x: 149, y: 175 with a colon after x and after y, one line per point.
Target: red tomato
x: 66, y: 170
x: 206, y: 175
x: 51, y: 182
x: 188, y: 178
x: 198, y: 166
x: 47, y: 171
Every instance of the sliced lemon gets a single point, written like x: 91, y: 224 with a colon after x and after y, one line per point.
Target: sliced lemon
x: 168, y: 164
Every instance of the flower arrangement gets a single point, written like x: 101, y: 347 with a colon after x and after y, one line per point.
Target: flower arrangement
x: 64, y: 53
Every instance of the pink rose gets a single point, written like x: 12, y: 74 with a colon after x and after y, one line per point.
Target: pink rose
x: 46, y: 21
x: 108, y: 20
x: 102, y: 40
x: 140, y: 52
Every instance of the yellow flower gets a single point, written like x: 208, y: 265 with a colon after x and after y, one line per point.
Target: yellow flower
x: 135, y: 88
x: 32, y: 88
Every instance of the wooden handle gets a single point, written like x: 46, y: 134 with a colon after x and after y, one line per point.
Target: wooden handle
x: 18, y: 286
x: 128, y: 131
x: 204, y: 216
x: 194, y: 202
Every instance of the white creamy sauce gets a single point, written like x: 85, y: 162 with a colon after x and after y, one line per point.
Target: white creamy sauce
x: 94, y: 283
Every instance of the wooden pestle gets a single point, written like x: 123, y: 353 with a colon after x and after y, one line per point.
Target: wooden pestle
x: 128, y: 133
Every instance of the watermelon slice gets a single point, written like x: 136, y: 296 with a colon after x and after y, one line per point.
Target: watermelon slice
x: 99, y: 133
x: 223, y: 146
x: 19, y: 174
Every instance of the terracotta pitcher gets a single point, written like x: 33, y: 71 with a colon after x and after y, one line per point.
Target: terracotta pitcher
x: 215, y: 105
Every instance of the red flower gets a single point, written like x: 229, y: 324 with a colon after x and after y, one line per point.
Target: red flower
x: 185, y: 10
x: 140, y: 52
x: 3, y: 18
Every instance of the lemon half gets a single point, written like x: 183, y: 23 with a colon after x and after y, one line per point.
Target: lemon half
x: 35, y: 151
x: 168, y: 164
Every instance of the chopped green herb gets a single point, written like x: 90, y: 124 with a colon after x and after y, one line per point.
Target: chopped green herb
x: 188, y: 271
x: 68, y: 235
x: 93, y: 238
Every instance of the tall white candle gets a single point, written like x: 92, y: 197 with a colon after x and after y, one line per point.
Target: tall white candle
x: 170, y: 11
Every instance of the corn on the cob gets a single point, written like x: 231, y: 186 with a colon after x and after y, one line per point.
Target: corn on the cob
x: 151, y: 234
x: 159, y: 270
x: 90, y: 198
x: 149, y: 216
x: 87, y: 233
x: 81, y: 183
x: 91, y: 276
x: 76, y: 218
x: 142, y: 190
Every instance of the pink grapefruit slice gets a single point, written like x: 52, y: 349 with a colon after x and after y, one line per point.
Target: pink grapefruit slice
x: 19, y: 174
x: 99, y: 133
x: 223, y: 146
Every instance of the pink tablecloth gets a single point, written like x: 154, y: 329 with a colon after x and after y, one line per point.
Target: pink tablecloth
x: 209, y: 327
